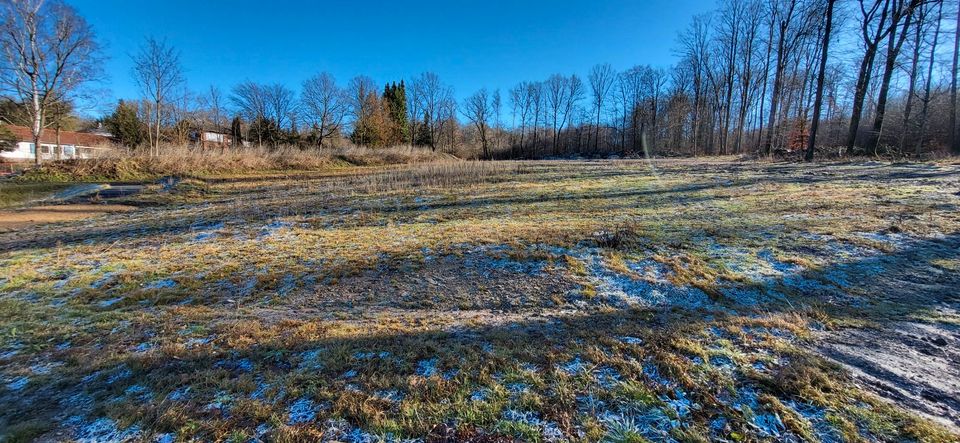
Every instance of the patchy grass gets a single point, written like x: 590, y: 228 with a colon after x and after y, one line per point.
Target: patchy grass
x: 540, y: 301
x: 14, y: 194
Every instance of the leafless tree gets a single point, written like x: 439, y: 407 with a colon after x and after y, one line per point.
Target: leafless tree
x: 324, y: 105
x: 49, y: 53
x: 281, y: 105
x: 250, y: 100
x: 954, y: 137
x: 602, y: 78
x: 901, y: 18
x: 873, y: 29
x: 158, y: 73
x: 213, y: 102
x: 821, y: 74
x: 478, y: 110
x: 925, y: 108
x: 361, y: 102
x: 434, y: 100
x: 497, y: 106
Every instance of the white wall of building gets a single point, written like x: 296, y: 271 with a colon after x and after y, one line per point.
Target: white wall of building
x: 25, y: 152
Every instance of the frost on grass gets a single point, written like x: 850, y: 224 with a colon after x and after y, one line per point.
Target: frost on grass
x: 18, y: 383
x: 302, y: 411
x: 104, y: 430
x: 428, y: 368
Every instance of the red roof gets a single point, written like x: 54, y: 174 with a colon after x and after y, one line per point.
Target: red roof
x: 49, y: 136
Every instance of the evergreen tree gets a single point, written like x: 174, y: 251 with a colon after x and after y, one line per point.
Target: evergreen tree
x: 8, y: 141
x: 126, y: 126
x: 395, y: 100
x: 266, y: 129
x: 236, y: 131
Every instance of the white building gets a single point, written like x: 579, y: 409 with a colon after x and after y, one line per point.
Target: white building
x: 72, y: 145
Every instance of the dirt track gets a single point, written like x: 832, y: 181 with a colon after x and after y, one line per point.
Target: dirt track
x: 16, y: 219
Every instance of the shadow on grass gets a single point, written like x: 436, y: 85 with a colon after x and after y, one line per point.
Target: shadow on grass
x: 466, y: 355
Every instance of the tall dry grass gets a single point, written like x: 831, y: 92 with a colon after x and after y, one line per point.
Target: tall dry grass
x: 189, y: 161
x: 431, y: 175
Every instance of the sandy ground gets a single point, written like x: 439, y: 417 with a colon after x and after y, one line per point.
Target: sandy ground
x: 18, y: 219
x: 915, y: 365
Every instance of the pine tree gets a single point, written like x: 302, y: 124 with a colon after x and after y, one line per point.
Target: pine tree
x: 395, y: 101
x: 236, y: 131
x: 125, y: 126
x: 8, y: 141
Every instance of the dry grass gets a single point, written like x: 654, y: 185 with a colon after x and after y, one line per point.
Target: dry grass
x: 189, y: 161
x: 465, y: 300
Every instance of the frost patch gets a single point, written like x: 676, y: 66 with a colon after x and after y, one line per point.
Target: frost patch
x: 607, y: 377
x: 122, y: 373
x: 574, y: 366
x: 273, y: 227
x: 105, y: 430
x: 302, y: 411
x: 311, y: 359
x: 480, y: 395
x: 652, y: 424
x: 18, y: 383
x: 427, y: 368
x: 162, y: 284
x: 648, y: 287
x: 370, y: 355
x: 392, y: 395
x: 239, y: 365
x: 110, y: 302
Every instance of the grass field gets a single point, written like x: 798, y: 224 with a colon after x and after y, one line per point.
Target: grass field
x: 619, y: 301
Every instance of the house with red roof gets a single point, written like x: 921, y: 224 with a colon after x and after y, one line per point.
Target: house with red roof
x: 67, y: 145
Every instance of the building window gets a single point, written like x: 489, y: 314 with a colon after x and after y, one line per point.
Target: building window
x: 45, y: 149
x: 33, y: 149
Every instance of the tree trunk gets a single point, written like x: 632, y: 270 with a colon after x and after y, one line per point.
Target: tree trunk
x: 894, y: 43
x: 818, y: 101
x: 929, y: 82
x: 859, y: 95
x: 954, y: 140
x: 912, y: 87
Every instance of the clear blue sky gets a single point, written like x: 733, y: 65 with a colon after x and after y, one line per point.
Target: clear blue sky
x: 470, y: 44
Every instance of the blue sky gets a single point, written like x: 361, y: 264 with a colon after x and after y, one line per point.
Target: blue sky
x: 470, y: 44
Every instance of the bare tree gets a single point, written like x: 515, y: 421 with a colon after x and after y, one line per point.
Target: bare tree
x: 361, y: 105
x: 213, y: 101
x: 789, y: 33
x: 954, y: 138
x: 324, y: 105
x: 821, y: 74
x: 478, y: 110
x: 925, y: 108
x: 873, y: 29
x: 435, y: 98
x: 250, y: 101
x: 601, y: 80
x: 497, y: 105
x: 521, y: 101
x: 158, y: 72
x: 281, y: 105
x: 900, y: 20
x: 49, y: 52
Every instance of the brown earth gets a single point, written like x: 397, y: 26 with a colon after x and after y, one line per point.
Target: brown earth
x: 18, y: 219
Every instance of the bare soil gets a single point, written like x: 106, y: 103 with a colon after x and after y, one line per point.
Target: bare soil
x: 19, y: 219
x: 915, y: 365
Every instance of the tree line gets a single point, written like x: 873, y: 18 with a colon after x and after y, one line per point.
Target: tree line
x: 769, y: 77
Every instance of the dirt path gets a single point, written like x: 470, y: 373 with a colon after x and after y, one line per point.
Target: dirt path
x: 18, y: 219
x: 914, y: 365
